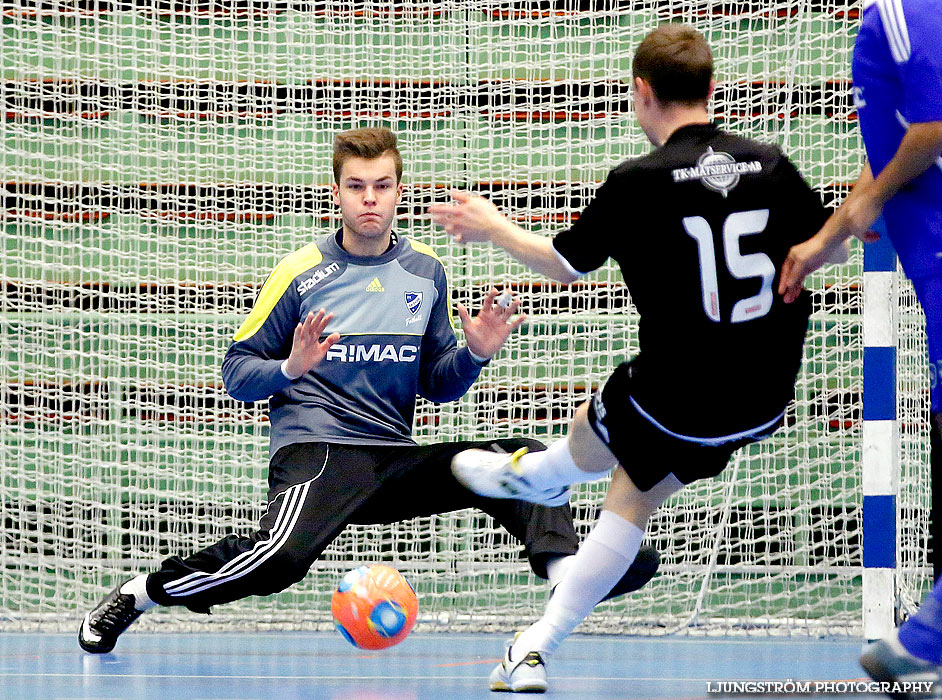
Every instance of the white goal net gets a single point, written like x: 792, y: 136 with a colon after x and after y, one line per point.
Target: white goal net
x: 160, y: 156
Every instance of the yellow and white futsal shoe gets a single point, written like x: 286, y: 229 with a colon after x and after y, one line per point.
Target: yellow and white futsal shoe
x: 527, y: 675
x: 498, y: 475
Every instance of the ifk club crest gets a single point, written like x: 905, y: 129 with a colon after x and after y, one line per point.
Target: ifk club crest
x: 413, y: 301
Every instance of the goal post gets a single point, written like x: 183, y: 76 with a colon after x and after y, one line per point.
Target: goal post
x: 880, y: 439
x: 160, y: 157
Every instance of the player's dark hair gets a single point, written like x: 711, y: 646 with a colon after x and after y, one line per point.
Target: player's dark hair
x: 676, y: 61
x: 369, y: 142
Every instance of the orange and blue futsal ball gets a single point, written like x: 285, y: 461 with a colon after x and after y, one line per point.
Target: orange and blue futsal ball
x: 374, y: 607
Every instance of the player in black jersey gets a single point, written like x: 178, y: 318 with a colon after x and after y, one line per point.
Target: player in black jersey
x: 699, y: 226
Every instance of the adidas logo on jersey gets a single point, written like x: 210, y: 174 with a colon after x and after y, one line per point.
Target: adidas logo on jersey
x: 375, y: 286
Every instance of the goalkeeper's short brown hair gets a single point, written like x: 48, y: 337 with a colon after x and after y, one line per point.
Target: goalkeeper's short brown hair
x: 369, y: 142
x: 676, y: 61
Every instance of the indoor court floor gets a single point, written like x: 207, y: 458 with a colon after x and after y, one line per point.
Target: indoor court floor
x: 322, y: 666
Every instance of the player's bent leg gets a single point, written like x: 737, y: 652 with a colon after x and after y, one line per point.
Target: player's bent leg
x: 502, y: 476
x: 637, y: 510
x: 545, y: 531
x: 315, y: 488
x: 635, y: 505
x: 604, y: 556
x: 589, y: 451
x: 542, y: 477
x: 549, y: 537
x: 550, y: 541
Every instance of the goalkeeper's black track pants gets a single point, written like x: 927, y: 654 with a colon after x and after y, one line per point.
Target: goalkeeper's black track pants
x: 317, y: 489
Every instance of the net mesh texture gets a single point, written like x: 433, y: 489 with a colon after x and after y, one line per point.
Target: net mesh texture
x: 161, y: 157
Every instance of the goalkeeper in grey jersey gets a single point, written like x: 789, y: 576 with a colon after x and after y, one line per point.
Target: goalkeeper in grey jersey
x: 344, y: 335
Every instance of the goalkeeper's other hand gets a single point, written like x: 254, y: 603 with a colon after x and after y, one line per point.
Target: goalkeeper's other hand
x: 307, y: 348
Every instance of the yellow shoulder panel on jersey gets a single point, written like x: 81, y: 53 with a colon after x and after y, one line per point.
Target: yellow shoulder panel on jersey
x: 275, y: 286
x: 427, y: 250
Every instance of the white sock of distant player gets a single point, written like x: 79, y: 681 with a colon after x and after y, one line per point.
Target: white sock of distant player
x: 137, y: 587
x: 602, y: 560
x: 554, y: 466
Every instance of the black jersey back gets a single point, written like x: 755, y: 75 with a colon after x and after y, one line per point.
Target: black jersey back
x: 700, y: 228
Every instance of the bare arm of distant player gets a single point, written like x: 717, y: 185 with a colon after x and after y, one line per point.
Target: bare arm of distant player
x: 474, y: 219
x: 307, y: 349
x: 486, y: 332
x: 920, y: 148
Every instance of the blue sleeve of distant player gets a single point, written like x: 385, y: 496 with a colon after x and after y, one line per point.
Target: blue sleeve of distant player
x: 251, y: 370
x: 922, y: 73
x: 446, y: 372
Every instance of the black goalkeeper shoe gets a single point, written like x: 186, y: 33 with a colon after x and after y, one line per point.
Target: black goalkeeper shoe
x: 102, y: 626
x: 641, y: 571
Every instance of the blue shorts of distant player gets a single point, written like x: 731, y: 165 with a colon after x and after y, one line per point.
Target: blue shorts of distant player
x: 915, y: 236
x: 929, y: 293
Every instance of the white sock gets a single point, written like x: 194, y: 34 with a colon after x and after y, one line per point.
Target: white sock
x: 603, y: 558
x: 555, y: 467
x: 557, y: 567
x: 137, y: 587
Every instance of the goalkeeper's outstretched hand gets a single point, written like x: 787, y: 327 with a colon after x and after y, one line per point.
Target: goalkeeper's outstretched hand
x: 307, y: 348
x: 487, y: 331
